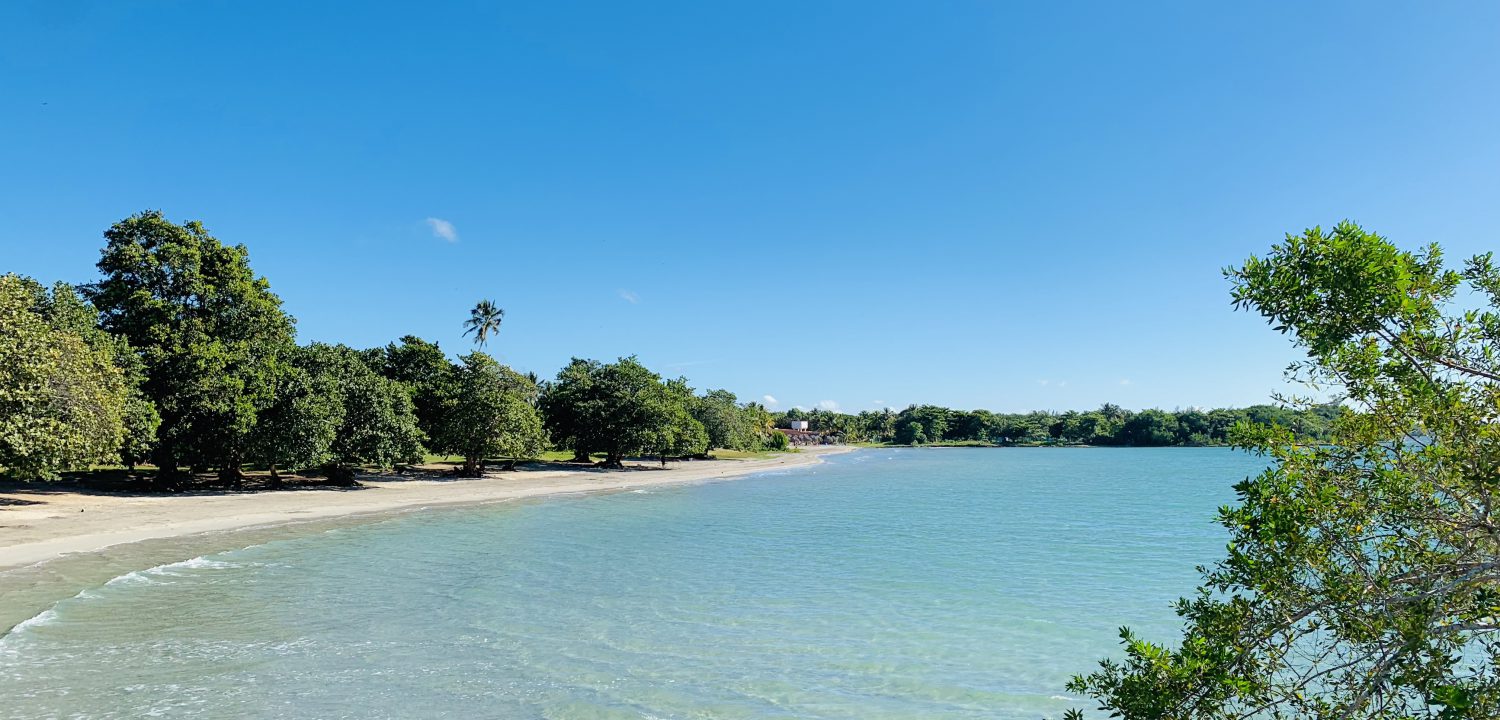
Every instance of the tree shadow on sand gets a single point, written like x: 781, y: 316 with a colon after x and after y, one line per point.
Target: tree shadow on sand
x: 120, y: 483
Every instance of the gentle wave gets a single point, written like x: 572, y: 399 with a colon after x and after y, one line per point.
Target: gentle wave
x: 41, y: 618
x: 149, y: 575
x: 154, y: 574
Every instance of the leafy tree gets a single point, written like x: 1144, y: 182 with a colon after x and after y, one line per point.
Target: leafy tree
x: 378, y: 424
x: 1056, y: 429
x: 1149, y: 428
x: 619, y: 409
x: 878, y: 426
x: 296, y: 431
x: 489, y: 413
x: 628, y: 409
x: 677, y: 432
x: 424, y: 368
x: 972, y: 425
x: 333, y: 411
x: 1017, y: 429
x: 568, y: 407
x: 208, y: 330
x: 61, y: 400
x: 65, y: 310
x: 921, y: 424
x: 140, y: 424
x: 484, y: 321
x: 1192, y: 428
x: 1362, y: 578
x: 760, y: 423
x: 777, y: 441
x: 727, y: 424
x: 1085, y: 427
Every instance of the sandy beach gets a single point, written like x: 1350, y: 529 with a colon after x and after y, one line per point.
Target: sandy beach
x: 53, y: 543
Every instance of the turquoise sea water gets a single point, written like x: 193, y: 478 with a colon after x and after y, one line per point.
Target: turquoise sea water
x: 938, y: 583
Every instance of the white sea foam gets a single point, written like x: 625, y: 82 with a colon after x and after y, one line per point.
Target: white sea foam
x: 197, y: 563
x: 134, y: 577
x: 22, y: 628
x: 154, y: 574
x: 41, y: 618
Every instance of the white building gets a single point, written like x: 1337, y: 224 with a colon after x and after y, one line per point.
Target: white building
x: 799, y: 425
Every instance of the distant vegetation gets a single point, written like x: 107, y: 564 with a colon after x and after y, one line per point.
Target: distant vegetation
x: 1109, y: 425
x: 181, y: 358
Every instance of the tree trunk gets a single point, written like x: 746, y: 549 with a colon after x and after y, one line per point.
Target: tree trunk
x: 581, y: 455
x: 276, y: 478
x: 339, y: 474
x: 473, y: 466
x: 613, y: 460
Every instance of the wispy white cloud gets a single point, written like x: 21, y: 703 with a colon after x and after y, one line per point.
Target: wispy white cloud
x: 443, y: 229
x: 878, y: 403
x: 769, y: 400
x: 629, y: 297
x: 1043, y: 382
x: 828, y: 405
x: 1125, y: 381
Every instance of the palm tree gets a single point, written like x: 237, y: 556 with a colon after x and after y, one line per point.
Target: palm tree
x: 484, y: 321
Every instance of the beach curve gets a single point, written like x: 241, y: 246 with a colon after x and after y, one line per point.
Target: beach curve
x: 61, y: 542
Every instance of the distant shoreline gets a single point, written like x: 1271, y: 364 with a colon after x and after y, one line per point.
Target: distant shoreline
x: 1054, y: 446
x: 54, y: 543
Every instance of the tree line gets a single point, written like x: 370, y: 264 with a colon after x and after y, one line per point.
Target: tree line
x: 181, y: 357
x: 1109, y: 425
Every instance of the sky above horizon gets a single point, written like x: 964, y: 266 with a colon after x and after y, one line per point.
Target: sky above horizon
x: 846, y: 204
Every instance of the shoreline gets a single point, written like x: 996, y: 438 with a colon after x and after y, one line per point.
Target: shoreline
x: 55, y: 543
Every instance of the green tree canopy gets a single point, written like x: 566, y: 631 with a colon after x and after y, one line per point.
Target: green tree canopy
x: 921, y: 424
x: 208, y: 330
x: 627, y: 407
x: 1363, y: 575
x: 489, y: 413
x: 569, y: 406
x: 678, y: 432
x: 726, y: 423
x: 68, y: 312
x: 378, y: 424
x: 332, y: 411
x: 296, y: 430
x: 62, y: 400
x: 619, y: 409
x: 424, y: 368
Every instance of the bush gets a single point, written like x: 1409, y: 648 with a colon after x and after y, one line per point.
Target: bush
x: 777, y: 441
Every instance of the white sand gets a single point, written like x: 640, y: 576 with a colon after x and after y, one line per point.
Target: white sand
x: 64, y: 523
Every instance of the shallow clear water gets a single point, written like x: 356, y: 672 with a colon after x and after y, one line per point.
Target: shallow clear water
x: 952, y: 583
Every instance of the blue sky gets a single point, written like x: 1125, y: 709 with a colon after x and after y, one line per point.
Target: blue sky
x: 1004, y: 205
